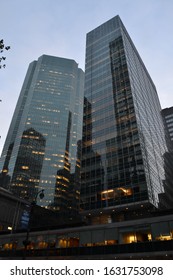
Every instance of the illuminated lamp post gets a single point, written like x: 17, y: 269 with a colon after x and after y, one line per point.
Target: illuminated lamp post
x: 27, y: 242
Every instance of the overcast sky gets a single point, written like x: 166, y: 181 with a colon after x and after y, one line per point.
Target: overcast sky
x: 59, y: 27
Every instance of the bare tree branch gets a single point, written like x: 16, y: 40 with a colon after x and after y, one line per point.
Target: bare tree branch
x: 2, y: 49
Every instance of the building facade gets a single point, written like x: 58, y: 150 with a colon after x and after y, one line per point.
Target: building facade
x: 123, y: 140
x: 167, y: 115
x: 14, y: 211
x: 142, y: 238
x: 41, y: 147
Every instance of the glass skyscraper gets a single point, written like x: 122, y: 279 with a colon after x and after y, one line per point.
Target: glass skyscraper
x: 123, y: 136
x: 43, y: 143
x: 167, y: 115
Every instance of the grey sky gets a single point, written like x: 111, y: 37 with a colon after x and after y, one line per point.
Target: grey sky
x: 59, y: 27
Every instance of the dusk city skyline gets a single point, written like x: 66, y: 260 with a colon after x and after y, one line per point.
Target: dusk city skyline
x: 86, y: 165
x: 59, y: 29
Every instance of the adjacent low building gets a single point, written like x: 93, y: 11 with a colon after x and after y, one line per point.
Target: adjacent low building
x: 14, y: 211
x: 141, y: 238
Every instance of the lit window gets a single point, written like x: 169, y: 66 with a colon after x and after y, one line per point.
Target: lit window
x: 25, y: 167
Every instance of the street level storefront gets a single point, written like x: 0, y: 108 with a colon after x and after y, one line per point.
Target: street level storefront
x: 143, y: 238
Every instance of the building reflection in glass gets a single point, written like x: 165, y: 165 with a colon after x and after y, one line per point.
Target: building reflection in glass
x: 28, y: 165
x: 123, y: 135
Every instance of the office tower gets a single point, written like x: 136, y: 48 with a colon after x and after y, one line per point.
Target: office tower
x: 41, y: 147
x: 167, y: 115
x: 123, y: 137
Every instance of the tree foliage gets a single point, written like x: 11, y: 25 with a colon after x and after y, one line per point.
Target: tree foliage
x: 2, y: 57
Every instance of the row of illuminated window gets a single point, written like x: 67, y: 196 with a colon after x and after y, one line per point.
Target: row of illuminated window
x: 98, y: 237
x: 47, y: 77
x: 48, y: 110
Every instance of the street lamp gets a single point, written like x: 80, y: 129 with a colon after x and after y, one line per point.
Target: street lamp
x: 41, y: 195
x: 27, y: 242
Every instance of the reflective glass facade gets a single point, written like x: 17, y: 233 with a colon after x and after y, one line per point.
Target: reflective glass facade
x: 167, y: 115
x: 43, y: 142
x: 123, y: 137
